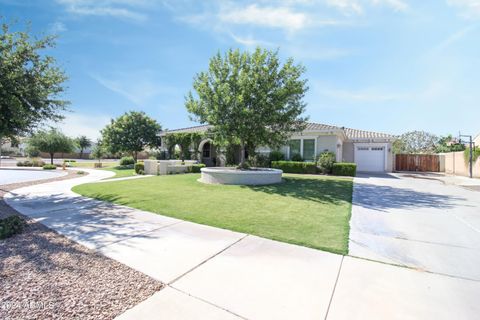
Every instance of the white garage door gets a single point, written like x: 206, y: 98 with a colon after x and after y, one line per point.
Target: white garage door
x: 370, y: 158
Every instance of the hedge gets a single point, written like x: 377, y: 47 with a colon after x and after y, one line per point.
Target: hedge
x: 49, y: 167
x: 295, y: 166
x: 344, y: 169
x: 125, y: 161
x: 195, y: 168
x: 139, y: 168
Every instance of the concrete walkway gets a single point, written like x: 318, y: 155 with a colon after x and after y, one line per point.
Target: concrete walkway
x: 219, y: 274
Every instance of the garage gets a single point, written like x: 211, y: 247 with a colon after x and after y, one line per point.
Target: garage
x: 370, y: 158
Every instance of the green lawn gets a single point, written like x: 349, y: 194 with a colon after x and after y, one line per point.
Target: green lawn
x: 308, y: 210
x: 120, y: 172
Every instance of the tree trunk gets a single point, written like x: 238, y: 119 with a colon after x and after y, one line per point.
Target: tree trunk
x: 81, y: 153
x: 51, y: 158
x: 135, y: 156
x: 242, y: 155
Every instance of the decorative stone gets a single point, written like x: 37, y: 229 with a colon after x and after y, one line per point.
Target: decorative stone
x: 230, y: 175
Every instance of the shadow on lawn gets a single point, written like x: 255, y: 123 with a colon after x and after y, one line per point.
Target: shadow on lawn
x: 312, y: 189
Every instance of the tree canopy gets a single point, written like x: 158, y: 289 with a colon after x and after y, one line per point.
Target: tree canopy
x: 251, y: 99
x: 83, y: 142
x: 185, y: 140
x: 31, y: 83
x: 51, y: 142
x: 131, y: 133
x: 416, y: 142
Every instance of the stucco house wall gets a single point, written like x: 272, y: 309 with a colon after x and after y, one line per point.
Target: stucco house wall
x: 348, y: 152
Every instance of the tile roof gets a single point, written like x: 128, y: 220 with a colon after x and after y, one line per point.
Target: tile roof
x: 352, y: 134
x: 362, y: 134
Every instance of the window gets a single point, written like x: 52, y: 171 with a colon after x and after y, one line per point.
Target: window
x: 206, y: 150
x: 363, y: 148
x: 309, y: 149
x: 377, y: 148
x: 294, y: 147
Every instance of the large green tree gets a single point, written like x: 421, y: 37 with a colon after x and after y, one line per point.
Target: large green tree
x: 131, y: 133
x: 31, y: 83
x: 83, y: 142
x: 416, y: 142
x: 51, y: 142
x: 251, y: 99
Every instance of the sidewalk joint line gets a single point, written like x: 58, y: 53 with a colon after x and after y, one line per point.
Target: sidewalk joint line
x: 334, y: 287
x: 208, y: 259
x: 138, y: 235
x: 208, y: 302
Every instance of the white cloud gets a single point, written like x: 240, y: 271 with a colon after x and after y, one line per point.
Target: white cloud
x: 397, y: 5
x: 249, y: 41
x: 469, y: 8
x: 454, y: 38
x: 138, y: 88
x: 76, y: 124
x: 346, y: 6
x: 349, y: 7
x: 273, y: 17
x: 126, y: 9
x: 57, y: 27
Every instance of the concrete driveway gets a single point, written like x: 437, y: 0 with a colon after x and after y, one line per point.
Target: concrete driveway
x: 417, y: 222
x: 8, y: 176
x: 214, y: 273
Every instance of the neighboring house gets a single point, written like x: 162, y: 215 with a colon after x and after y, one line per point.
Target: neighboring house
x: 371, y: 151
x: 476, y: 140
x: 14, y: 148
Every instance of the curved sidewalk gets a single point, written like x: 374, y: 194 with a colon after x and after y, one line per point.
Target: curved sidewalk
x: 219, y: 274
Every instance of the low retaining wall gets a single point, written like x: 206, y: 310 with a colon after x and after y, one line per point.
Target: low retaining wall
x: 162, y: 167
x: 222, y: 175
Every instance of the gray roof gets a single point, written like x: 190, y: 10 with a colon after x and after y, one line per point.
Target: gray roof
x: 351, y: 134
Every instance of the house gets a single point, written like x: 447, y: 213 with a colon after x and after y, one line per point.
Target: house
x: 476, y: 141
x: 371, y: 151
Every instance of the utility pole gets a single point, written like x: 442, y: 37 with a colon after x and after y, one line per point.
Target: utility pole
x: 470, y: 158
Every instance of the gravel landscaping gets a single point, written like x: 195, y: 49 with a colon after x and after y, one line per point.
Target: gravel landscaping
x: 44, y: 275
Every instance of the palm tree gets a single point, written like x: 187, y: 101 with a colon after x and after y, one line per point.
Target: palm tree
x: 83, y: 142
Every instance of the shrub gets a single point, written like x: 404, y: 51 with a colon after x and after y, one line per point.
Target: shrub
x: 31, y: 163
x: 296, y: 157
x: 125, y: 161
x: 295, y: 166
x: 139, y: 167
x: 80, y: 172
x: 196, y: 168
x: 10, y: 226
x: 276, y: 155
x: 325, y: 161
x: 49, y: 167
x: 344, y: 169
x: 475, y: 154
x: 69, y: 160
x: 259, y: 160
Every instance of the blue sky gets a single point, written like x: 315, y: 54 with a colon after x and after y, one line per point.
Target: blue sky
x: 381, y: 65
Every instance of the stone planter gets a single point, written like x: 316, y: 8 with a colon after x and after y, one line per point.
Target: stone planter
x: 233, y: 176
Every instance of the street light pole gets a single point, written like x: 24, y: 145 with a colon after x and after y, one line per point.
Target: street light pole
x: 470, y: 158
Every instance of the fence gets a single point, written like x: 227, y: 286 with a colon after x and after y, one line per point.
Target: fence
x: 417, y: 162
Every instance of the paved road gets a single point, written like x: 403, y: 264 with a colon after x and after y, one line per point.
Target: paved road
x: 419, y: 223
x: 8, y: 176
x: 213, y: 273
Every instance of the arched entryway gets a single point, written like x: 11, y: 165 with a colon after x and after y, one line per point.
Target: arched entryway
x: 208, y: 154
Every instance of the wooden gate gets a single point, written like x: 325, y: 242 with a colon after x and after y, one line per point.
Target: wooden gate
x: 417, y: 162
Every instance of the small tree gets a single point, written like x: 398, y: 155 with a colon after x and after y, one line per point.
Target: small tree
x: 51, y: 142
x: 251, y: 99
x: 131, y: 133
x: 98, y: 152
x: 83, y: 142
x: 31, y: 83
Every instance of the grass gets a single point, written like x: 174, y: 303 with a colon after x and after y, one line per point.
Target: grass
x: 121, y: 171
x: 308, y: 210
x: 90, y: 164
